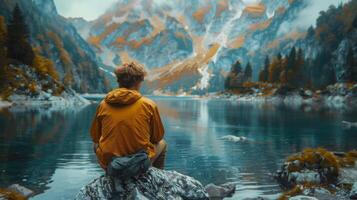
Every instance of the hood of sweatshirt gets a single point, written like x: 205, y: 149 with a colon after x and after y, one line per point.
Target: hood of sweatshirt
x: 122, y: 96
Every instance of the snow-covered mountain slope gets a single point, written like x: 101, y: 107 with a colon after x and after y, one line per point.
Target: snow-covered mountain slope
x: 190, y: 45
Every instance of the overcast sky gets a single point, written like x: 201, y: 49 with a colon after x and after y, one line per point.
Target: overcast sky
x: 88, y: 9
x: 92, y: 9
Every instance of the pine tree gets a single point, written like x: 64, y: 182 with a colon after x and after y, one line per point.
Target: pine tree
x: 289, y: 68
x: 237, y: 67
x: 317, y: 69
x: 248, y: 72
x: 266, y: 68
x: 354, y: 23
x: 300, y: 58
x: 298, y: 77
x: 17, y: 43
x: 264, y: 74
x: 2, y: 52
x: 329, y: 76
x: 275, y: 69
x: 292, y: 58
x: 2, y: 41
x: 227, y: 82
x: 235, y: 76
x: 310, y: 32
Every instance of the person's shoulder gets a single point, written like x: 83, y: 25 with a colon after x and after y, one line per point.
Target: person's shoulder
x: 102, y: 104
x: 148, y: 102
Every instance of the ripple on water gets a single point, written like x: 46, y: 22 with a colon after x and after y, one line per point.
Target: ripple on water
x: 55, y: 158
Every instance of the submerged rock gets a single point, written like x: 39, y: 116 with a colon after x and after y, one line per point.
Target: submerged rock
x: 302, y: 197
x: 15, y: 191
x: 155, y: 184
x: 233, y: 138
x: 216, y: 192
x: 349, y: 125
x: 21, y: 190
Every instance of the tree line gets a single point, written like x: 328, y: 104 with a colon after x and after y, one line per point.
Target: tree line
x: 14, y: 39
x: 16, y: 49
x: 295, y: 70
x: 237, y: 76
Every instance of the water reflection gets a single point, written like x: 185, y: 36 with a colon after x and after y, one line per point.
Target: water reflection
x: 36, y: 144
x: 50, y: 151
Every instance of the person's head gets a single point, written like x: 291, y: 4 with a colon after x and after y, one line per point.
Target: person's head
x: 130, y: 75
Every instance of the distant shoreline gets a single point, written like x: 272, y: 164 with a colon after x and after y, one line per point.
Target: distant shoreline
x: 336, y: 96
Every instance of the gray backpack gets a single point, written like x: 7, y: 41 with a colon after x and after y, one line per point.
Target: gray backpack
x: 129, y: 166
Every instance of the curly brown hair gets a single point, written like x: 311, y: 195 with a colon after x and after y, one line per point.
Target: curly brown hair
x: 129, y: 74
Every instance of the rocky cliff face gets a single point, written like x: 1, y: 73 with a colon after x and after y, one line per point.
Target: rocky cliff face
x: 188, y: 46
x: 55, y: 38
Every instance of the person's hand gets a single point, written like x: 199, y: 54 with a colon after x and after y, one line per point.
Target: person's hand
x: 95, y: 147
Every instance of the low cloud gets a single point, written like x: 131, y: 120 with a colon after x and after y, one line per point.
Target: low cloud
x: 247, y: 2
x: 88, y: 9
x: 307, y: 17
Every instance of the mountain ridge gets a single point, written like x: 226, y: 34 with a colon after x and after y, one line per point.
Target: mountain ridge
x: 172, y: 39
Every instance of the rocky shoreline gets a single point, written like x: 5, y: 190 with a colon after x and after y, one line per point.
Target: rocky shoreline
x: 44, y: 100
x: 313, y: 174
x: 319, y: 174
x: 29, y: 88
x: 336, y: 96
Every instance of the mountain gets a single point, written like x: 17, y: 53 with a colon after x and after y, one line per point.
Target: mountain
x: 54, y: 37
x: 189, y: 46
x: 332, y: 42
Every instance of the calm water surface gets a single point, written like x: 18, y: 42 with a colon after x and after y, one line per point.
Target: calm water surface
x: 50, y: 151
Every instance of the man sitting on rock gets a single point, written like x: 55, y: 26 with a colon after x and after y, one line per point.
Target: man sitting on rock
x: 126, y: 122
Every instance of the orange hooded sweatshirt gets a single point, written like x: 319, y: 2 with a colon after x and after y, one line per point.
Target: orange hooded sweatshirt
x: 125, y: 122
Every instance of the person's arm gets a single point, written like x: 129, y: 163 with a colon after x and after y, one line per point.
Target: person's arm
x: 157, y: 128
x: 96, y: 130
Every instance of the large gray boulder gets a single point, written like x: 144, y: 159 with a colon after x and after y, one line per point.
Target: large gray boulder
x: 155, y: 184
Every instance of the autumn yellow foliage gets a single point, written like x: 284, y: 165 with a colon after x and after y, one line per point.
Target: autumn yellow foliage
x: 312, y: 156
x: 45, y: 66
x: 64, y: 57
x: 293, y: 192
x: 10, y: 195
x: 32, y: 87
x: 298, y: 189
x: 275, y: 69
x: 349, y: 159
x: 325, y: 160
x: 2, y: 28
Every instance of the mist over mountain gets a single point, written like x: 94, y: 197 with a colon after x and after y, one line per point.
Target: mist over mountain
x: 190, y: 46
x: 186, y: 46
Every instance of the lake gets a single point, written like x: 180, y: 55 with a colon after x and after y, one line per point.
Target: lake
x: 50, y: 151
